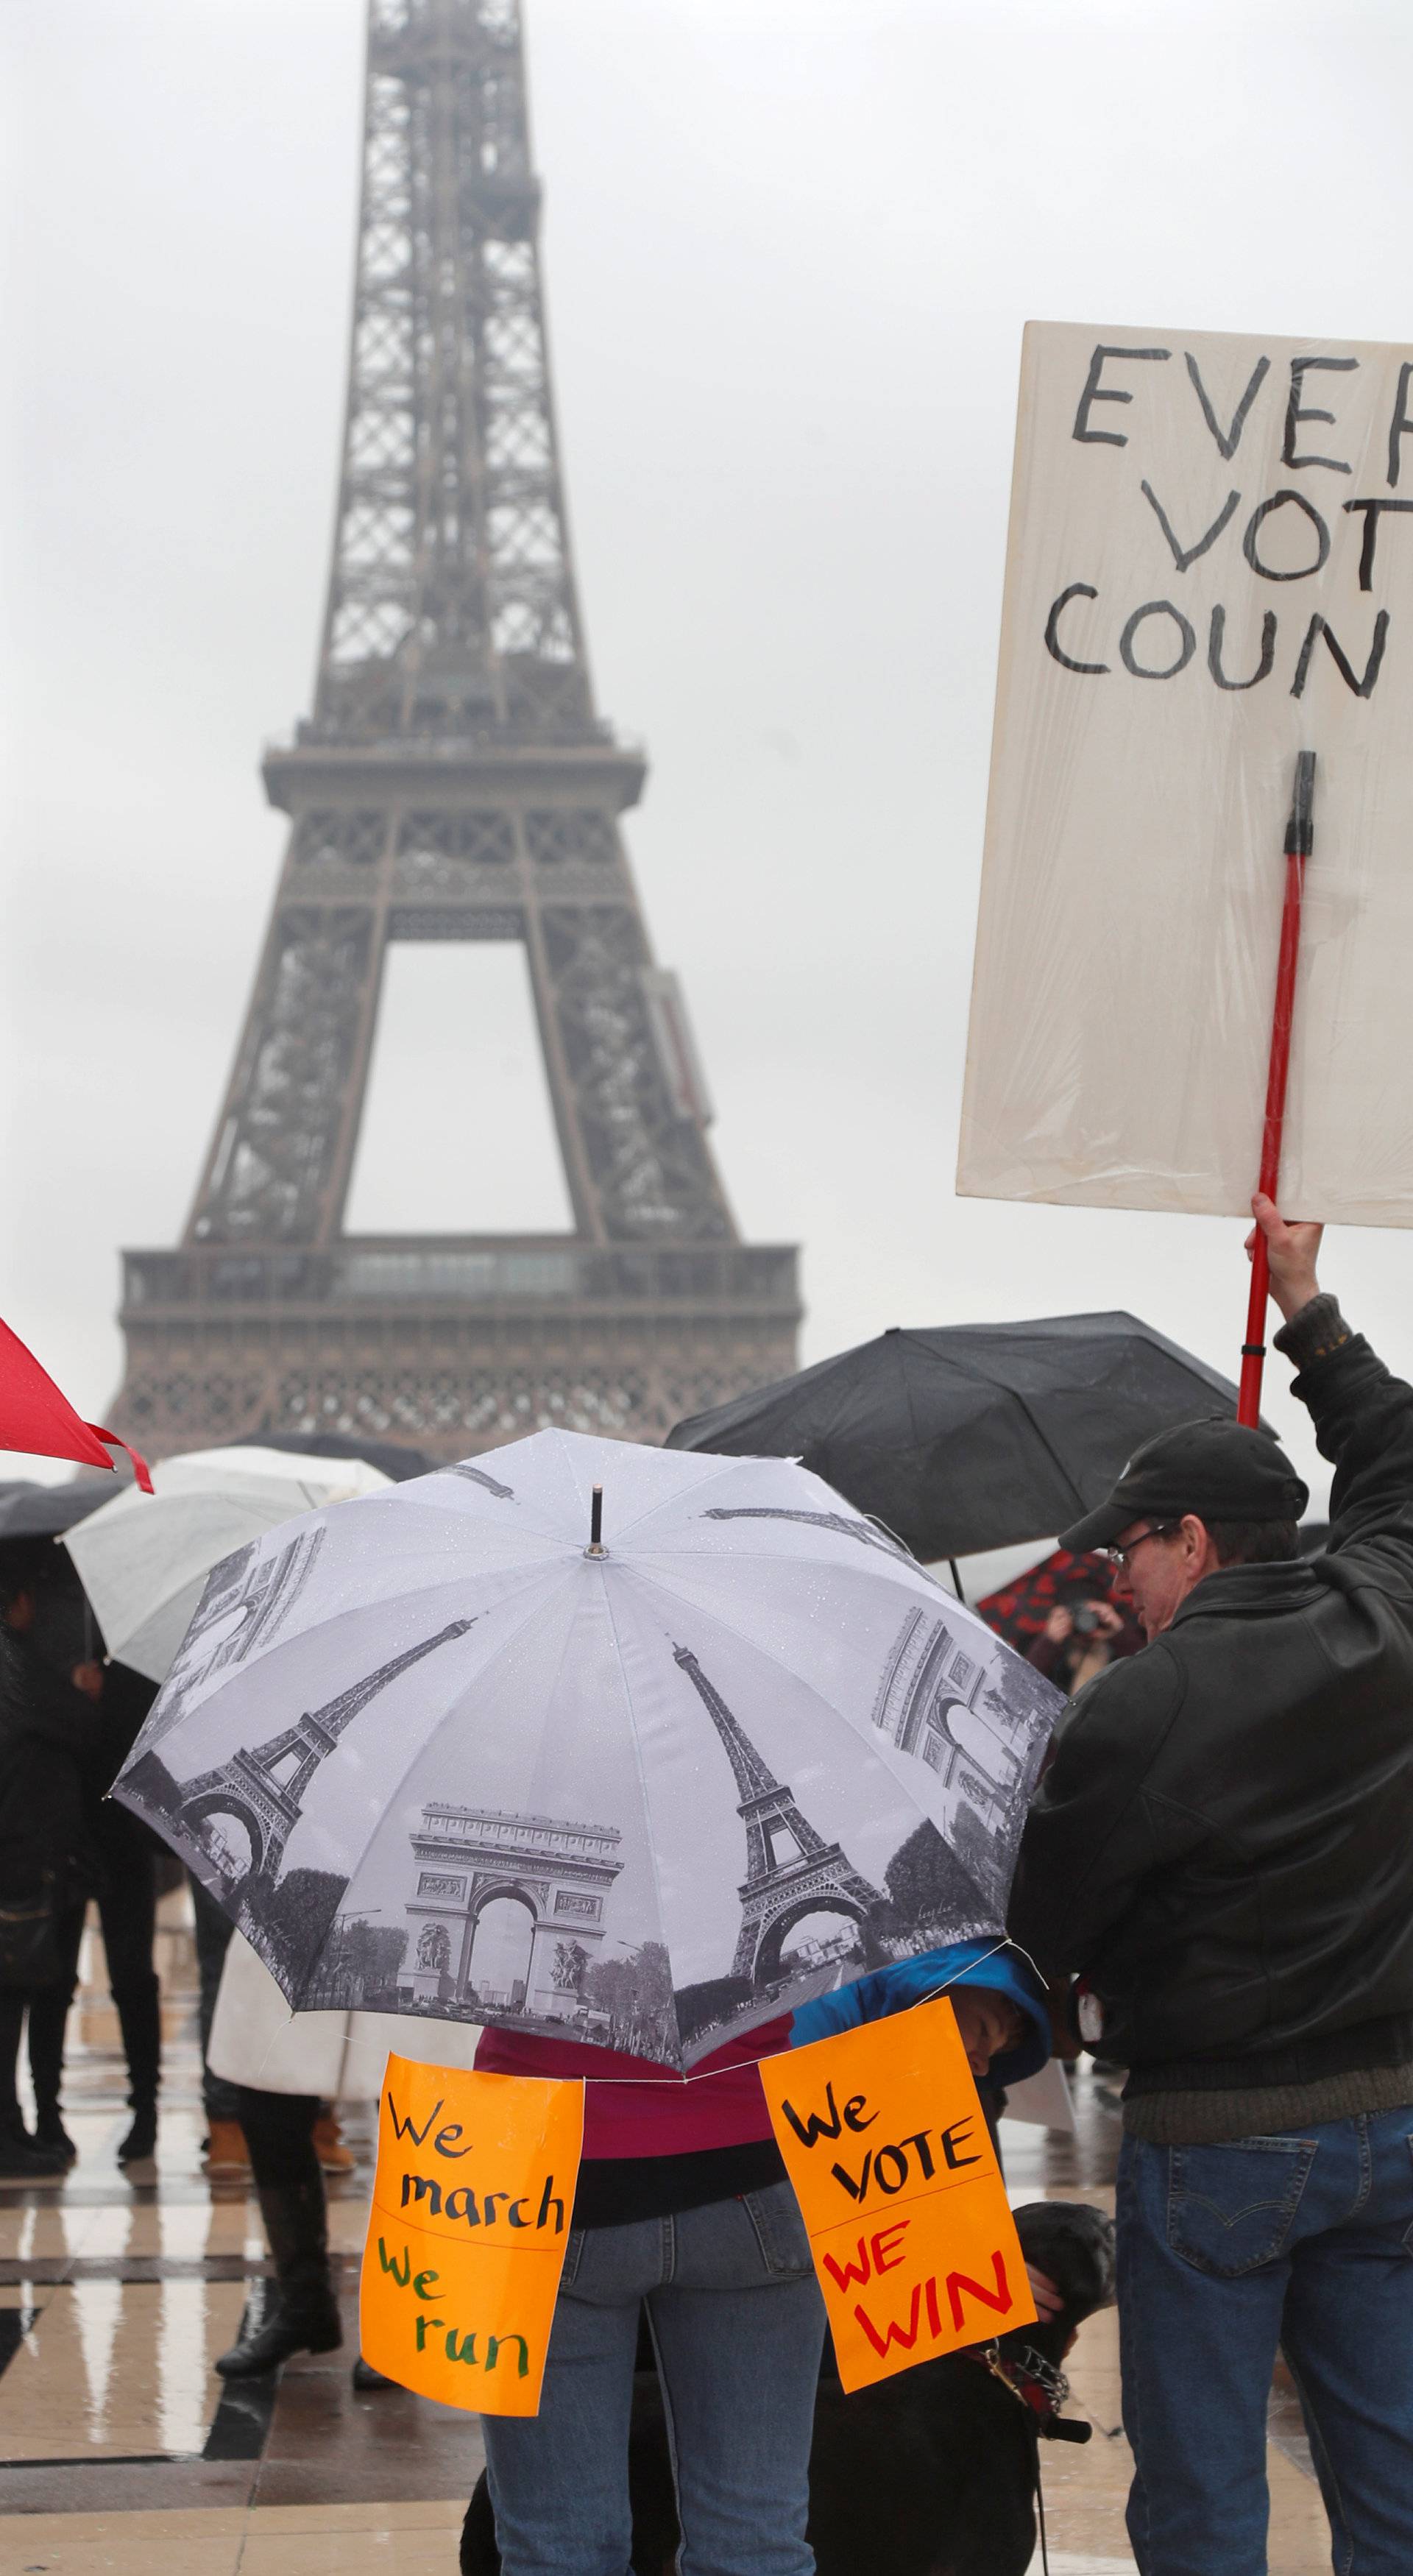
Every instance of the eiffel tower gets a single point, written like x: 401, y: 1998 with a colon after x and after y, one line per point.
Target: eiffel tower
x: 776, y: 1891
x: 263, y: 1786
x: 454, y: 782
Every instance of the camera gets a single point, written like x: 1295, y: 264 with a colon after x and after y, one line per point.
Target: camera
x: 1086, y: 1620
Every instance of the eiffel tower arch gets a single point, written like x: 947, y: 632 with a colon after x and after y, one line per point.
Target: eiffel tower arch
x: 454, y: 782
x: 790, y: 1870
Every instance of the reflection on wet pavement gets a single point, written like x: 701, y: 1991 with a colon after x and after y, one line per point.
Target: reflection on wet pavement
x: 118, y: 2444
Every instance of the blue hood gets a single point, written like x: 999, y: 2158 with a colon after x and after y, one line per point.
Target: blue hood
x: 914, y: 1981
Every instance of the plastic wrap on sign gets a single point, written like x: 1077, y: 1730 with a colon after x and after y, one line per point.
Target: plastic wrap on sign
x: 1210, y: 570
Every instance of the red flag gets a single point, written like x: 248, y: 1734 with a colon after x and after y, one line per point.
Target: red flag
x: 36, y: 1418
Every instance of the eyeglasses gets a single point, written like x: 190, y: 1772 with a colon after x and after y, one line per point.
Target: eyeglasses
x: 1119, y: 1556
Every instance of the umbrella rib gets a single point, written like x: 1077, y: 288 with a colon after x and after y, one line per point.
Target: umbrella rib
x: 769, y: 1655
x: 901, y: 1366
x: 879, y: 1562
x: 824, y: 1430
x: 410, y: 1766
x: 353, y: 1609
x: 408, y: 1498
x: 667, y: 1502
x: 648, y: 1835
x: 977, y: 1375
x: 1051, y: 1453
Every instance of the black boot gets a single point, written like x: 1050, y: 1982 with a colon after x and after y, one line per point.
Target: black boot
x: 139, y: 2019
x: 305, y: 2317
x: 51, y: 2134
x: 141, y: 2139
x: 305, y: 2325
x: 23, y: 2159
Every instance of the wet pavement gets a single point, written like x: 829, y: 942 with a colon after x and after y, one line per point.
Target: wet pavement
x: 122, y: 2454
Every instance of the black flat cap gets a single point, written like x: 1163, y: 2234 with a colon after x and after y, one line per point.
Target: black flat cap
x: 1217, y: 1469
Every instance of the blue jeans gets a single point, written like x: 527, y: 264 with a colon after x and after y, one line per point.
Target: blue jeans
x: 738, y: 2323
x: 1226, y: 2253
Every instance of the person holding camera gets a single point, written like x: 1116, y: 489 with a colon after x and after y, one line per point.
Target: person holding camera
x: 1076, y: 1643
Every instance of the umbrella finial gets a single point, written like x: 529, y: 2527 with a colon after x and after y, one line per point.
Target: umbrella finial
x: 596, y: 1546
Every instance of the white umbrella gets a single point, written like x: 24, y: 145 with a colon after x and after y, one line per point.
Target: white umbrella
x: 143, y: 1559
x: 440, y: 1753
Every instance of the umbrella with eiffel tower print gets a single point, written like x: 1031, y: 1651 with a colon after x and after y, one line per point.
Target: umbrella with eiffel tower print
x: 465, y: 1749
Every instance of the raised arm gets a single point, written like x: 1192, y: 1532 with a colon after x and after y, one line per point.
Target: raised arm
x: 1363, y: 1416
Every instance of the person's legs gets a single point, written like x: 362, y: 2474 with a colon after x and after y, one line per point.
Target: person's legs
x: 739, y: 2329
x: 559, y: 2479
x: 1202, y: 2272
x: 279, y: 2132
x: 48, y: 2020
x: 12, y: 2023
x: 22, y: 2158
x: 128, y: 1911
x: 213, y: 1932
x: 1348, y: 2339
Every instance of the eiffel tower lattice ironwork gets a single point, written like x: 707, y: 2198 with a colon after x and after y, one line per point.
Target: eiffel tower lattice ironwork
x: 454, y: 782
x: 263, y: 1786
x: 776, y: 1892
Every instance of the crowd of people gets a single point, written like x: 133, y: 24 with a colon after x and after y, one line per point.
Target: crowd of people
x: 1215, y: 1893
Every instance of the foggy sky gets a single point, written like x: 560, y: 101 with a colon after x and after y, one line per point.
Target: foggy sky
x: 789, y: 246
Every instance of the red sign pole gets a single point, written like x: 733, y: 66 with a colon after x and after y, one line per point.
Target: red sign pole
x: 1299, y: 842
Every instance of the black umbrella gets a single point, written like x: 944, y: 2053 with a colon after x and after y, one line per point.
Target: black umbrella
x: 30, y: 1510
x: 973, y: 1435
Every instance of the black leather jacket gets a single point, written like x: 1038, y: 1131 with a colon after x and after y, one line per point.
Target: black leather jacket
x: 1223, y: 1842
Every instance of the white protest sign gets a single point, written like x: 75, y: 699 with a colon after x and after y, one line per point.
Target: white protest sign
x: 1210, y: 569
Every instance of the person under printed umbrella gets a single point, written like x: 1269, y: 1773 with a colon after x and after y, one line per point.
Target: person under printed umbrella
x: 683, y: 2208
x: 674, y: 1709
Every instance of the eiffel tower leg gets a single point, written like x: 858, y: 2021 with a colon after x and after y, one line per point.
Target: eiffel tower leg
x: 578, y: 1172
x: 747, y: 1951
x: 363, y: 1021
x: 652, y: 1170
x: 297, y: 1080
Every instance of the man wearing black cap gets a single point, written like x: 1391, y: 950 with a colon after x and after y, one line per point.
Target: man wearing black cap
x: 1222, y: 1847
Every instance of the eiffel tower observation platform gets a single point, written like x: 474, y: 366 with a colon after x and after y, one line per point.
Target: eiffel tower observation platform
x: 453, y: 1343
x: 454, y: 781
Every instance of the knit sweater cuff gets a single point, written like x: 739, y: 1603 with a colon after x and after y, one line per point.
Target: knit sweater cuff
x: 1312, y: 1333
x: 1267, y: 2110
